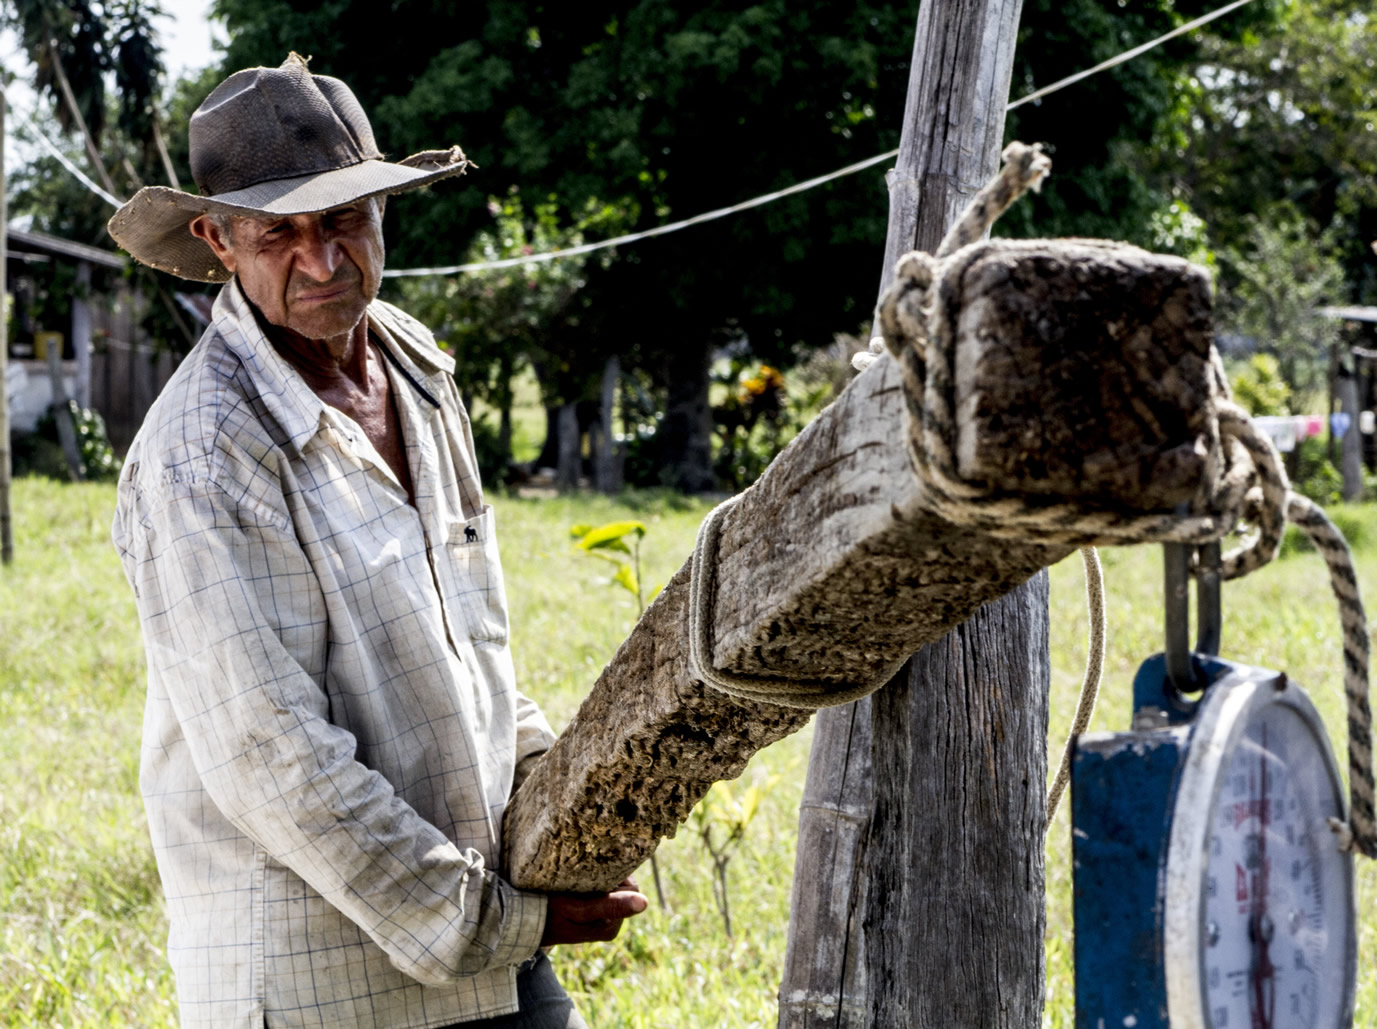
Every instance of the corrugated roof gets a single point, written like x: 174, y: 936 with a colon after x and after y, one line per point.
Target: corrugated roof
x: 41, y: 241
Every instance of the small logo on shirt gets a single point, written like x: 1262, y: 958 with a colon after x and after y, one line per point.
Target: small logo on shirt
x: 470, y: 534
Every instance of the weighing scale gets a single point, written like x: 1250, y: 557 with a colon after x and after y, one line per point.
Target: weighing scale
x: 1210, y: 889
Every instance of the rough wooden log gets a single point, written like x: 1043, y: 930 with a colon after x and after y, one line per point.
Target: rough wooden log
x: 831, y: 568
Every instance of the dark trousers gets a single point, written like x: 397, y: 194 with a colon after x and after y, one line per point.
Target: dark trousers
x: 544, y: 1004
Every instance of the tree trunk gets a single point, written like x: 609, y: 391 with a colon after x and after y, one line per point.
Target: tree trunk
x: 952, y: 133
x: 687, y: 427
x: 607, y: 465
x: 549, y: 450
x: 567, y: 471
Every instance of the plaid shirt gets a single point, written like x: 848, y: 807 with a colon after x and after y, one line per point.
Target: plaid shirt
x: 332, y: 728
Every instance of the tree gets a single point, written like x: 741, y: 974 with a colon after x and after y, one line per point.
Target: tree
x: 495, y: 322
x: 1105, y: 184
x: 667, y: 111
x: 1282, y: 123
x: 1280, y: 276
x: 75, y: 45
x: 87, y: 43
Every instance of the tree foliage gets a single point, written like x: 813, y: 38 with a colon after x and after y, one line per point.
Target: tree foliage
x: 1283, y: 123
x: 1281, y: 274
x: 495, y: 322
x: 87, y: 41
x: 658, y: 109
x: 1102, y: 132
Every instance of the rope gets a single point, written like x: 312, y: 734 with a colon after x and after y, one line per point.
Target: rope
x: 1090, y: 685
x: 785, y: 692
x: 1244, y: 481
x: 1360, y: 831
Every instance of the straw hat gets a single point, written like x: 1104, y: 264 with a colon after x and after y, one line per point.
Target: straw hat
x: 267, y: 143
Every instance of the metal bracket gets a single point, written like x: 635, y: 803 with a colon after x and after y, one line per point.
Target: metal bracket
x: 1182, y: 671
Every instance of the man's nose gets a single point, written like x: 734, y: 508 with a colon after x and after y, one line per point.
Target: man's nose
x: 318, y: 254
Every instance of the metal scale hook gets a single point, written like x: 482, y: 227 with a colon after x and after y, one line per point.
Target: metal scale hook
x: 1183, y: 672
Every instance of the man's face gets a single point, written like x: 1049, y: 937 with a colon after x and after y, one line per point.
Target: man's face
x: 311, y: 273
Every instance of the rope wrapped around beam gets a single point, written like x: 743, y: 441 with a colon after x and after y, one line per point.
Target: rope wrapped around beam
x: 1243, y: 480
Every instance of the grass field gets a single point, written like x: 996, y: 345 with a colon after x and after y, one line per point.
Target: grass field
x: 81, y: 923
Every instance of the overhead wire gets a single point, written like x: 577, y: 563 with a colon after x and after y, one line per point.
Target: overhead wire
x: 707, y: 216
x: 850, y: 169
x: 62, y: 158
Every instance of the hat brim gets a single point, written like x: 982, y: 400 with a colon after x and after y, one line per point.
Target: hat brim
x: 153, y: 225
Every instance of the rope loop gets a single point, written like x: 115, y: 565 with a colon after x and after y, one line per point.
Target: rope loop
x: 808, y: 694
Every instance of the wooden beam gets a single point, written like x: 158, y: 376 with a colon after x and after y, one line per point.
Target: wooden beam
x: 832, y: 568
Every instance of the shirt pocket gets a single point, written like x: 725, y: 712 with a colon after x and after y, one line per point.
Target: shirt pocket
x: 480, y: 598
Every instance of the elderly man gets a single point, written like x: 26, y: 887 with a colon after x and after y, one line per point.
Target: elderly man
x: 332, y: 729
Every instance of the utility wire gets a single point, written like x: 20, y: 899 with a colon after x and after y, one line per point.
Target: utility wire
x: 62, y: 158
x: 707, y: 216
x: 659, y: 230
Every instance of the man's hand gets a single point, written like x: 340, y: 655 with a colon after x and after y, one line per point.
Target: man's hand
x: 591, y: 917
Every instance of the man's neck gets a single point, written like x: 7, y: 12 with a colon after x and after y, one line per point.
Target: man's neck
x: 322, y: 363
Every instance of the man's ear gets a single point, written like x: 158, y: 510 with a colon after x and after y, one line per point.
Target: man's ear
x: 204, y: 227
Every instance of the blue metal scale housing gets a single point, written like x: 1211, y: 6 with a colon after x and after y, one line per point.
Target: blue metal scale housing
x: 1161, y: 939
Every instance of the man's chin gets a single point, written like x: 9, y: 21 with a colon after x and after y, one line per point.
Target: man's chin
x: 325, y: 321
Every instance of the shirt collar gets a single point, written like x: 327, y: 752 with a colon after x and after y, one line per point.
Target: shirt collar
x: 284, y: 393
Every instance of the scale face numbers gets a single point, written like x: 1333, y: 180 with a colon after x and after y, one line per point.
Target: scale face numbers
x: 1259, y: 919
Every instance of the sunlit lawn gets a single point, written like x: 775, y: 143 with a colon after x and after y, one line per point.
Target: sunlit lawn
x: 81, y: 925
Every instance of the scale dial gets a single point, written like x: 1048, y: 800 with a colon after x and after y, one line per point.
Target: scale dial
x: 1260, y: 920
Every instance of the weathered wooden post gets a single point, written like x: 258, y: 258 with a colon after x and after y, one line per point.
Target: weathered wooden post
x: 6, y: 526
x: 924, y: 852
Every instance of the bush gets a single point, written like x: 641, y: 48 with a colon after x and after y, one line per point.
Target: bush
x: 40, y: 452
x: 1259, y: 387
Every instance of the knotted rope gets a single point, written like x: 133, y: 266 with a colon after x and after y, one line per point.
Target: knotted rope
x: 1243, y: 481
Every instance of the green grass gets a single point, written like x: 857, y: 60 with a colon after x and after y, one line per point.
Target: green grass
x: 81, y: 920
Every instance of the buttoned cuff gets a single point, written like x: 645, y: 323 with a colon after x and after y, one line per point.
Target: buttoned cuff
x: 523, y: 924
